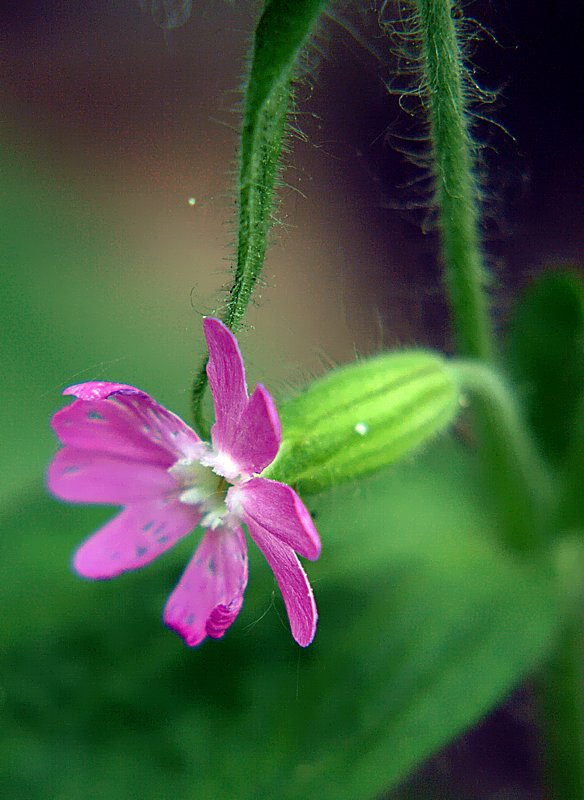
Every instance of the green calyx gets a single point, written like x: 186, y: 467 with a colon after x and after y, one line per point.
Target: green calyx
x: 362, y: 417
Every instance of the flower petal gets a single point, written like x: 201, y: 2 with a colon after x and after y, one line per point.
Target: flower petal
x: 135, y: 537
x: 278, y: 511
x: 130, y: 423
x: 82, y: 476
x: 100, y: 390
x: 259, y: 433
x: 209, y: 594
x: 106, y: 427
x: 293, y: 583
x: 226, y: 374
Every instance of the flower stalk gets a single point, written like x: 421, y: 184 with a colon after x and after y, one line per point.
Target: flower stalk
x: 508, y: 462
x: 518, y: 479
x: 518, y: 476
x: 281, y: 35
x: 457, y: 191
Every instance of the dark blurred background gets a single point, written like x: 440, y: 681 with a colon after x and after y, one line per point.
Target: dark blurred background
x: 137, y: 118
x: 117, y: 148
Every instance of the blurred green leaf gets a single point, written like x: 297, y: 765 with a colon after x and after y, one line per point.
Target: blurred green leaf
x: 424, y: 625
x: 546, y: 355
x: 572, y: 501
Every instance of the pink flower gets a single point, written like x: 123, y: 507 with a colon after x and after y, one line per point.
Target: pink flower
x: 121, y: 447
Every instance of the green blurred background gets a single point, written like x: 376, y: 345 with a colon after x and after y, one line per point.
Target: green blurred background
x: 109, y: 127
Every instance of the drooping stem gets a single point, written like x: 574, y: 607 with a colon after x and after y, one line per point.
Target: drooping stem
x: 280, y: 37
x: 443, y: 78
x: 518, y: 477
x: 457, y: 192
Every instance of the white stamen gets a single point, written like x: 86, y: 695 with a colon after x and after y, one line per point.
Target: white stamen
x: 204, y: 488
x: 222, y: 464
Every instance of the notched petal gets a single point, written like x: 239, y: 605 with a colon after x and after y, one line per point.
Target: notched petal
x: 222, y: 617
x: 209, y: 594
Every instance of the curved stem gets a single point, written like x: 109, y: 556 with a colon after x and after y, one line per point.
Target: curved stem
x: 514, y: 469
x: 517, y: 474
x: 281, y: 34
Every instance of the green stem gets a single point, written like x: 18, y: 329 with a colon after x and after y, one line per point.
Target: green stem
x: 457, y: 192
x: 518, y: 479
x: 562, y: 709
x: 200, y: 422
x: 508, y: 462
x: 516, y: 473
x: 283, y: 29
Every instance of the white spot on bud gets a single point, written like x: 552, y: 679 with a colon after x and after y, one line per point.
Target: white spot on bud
x: 361, y: 428
x: 463, y: 400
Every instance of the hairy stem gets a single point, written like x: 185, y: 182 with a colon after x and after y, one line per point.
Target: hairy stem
x: 518, y: 480
x: 505, y: 462
x: 457, y: 192
x: 281, y: 34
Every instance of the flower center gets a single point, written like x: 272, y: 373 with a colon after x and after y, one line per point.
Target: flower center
x: 202, y: 487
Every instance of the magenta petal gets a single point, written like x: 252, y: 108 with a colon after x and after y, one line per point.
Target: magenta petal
x: 293, y: 583
x: 115, y: 418
x: 81, y: 476
x: 278, y: 511
x: 258, y: 437
x: 108, y: 427
x: 100, y: 390
x: 227, y: 381
x: 135, y: 537
x: 160, y: 426
x: 209, y: 594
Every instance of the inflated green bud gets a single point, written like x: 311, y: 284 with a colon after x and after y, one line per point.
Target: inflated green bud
x: 361, y: 417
